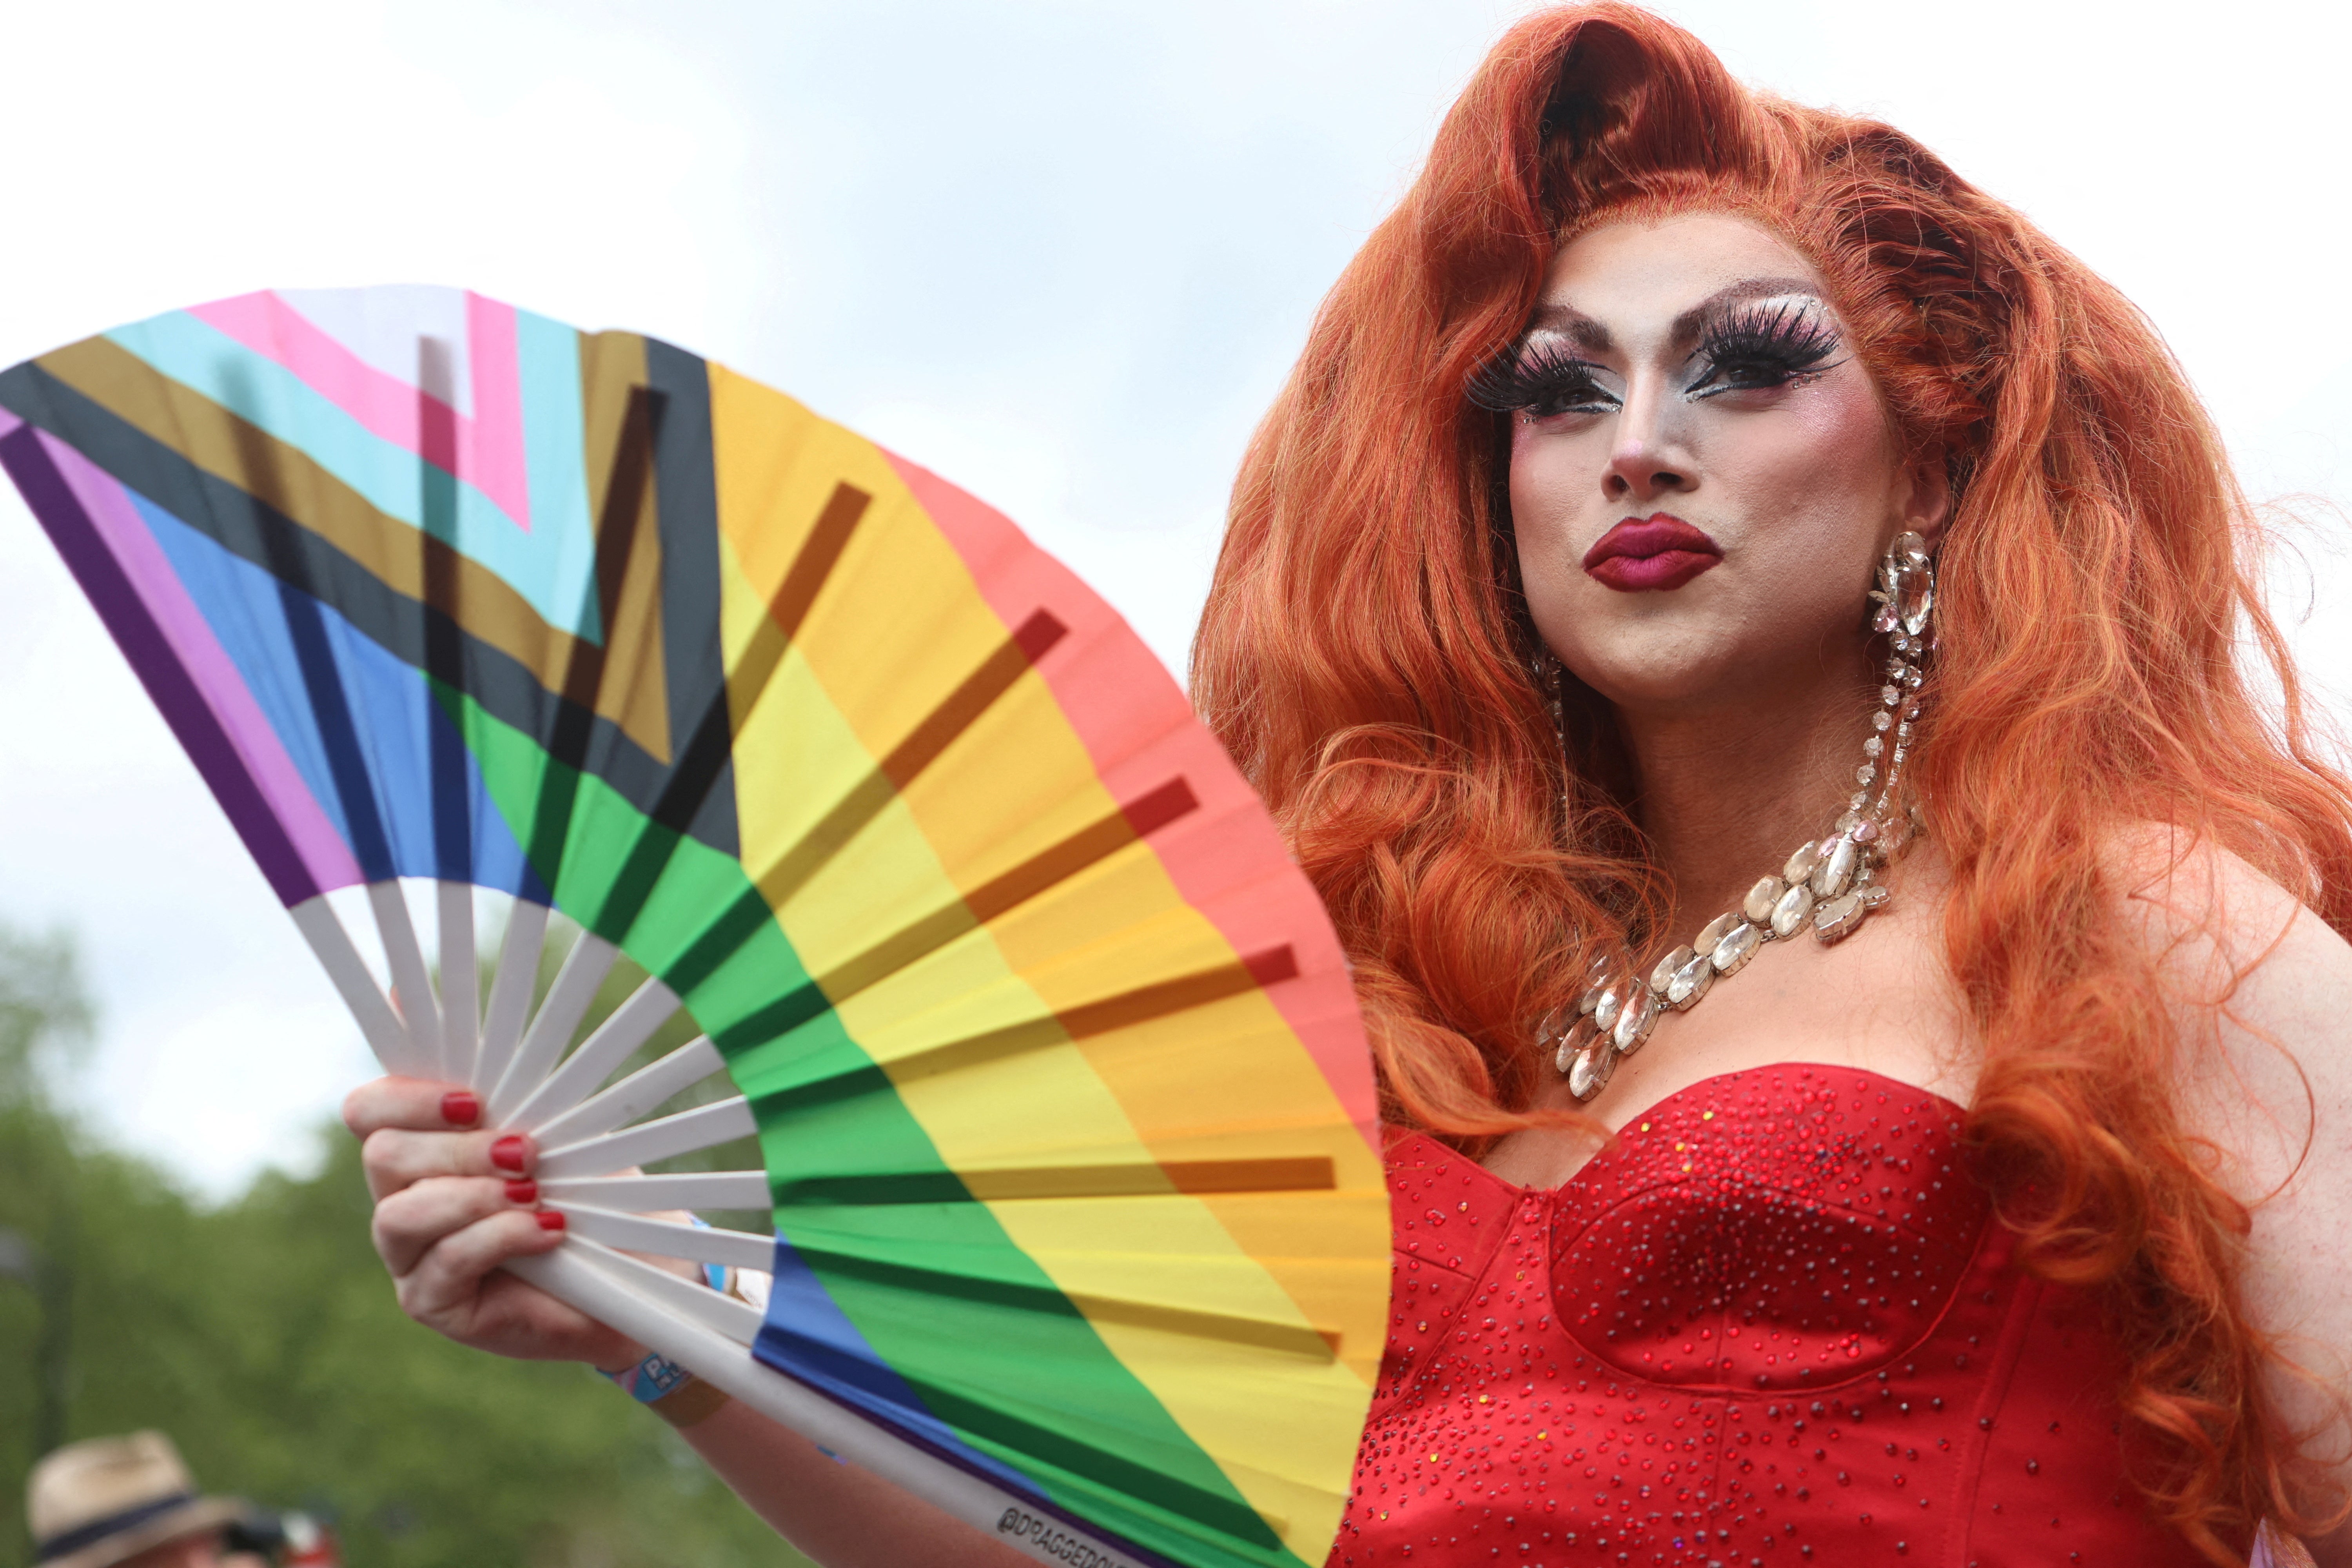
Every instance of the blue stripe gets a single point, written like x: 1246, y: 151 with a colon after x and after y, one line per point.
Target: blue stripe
x: 808, y: 1336
x: 555, y: 463
x: 386, y: 764
x: 553, y: 564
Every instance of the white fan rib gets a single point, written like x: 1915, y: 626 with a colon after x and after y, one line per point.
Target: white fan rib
x: 669, y: 1237
x: 635, y: 1094
x: 510, y: 990
x: 657, y: 1309
x: 461, y: 983
x: 704, y: 1127
x: 617, y: 1040
x: 736, y: 1322
x: 316, y: 919
x: 673, y: 1190
x: 412, y: 983
x: 584, y: 968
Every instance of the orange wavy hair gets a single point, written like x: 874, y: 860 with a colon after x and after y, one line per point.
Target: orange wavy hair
x: 1365, y: 656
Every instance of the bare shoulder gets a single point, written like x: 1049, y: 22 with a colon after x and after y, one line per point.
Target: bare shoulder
x: 2262, y: 992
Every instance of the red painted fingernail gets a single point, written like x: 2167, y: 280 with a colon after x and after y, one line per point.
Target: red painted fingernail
x: 550, y: 1219
x: 522, y: 1192
x: 510, y: 1153
x: 460, y: 1108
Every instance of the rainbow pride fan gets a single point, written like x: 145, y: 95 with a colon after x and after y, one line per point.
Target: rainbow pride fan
x: 1078, y: 1226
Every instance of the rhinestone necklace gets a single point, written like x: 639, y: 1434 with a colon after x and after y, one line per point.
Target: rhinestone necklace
x: 1830, y: 883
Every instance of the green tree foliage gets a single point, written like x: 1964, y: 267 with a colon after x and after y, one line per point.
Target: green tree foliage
x: 263, y: 1336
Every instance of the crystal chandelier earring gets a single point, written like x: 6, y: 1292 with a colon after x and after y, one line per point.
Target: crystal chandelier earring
x: 1830, y: 883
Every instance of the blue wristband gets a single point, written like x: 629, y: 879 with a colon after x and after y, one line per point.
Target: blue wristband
x: 668, y: 1390
x: 653, y: 1378
x: 658, y: 1376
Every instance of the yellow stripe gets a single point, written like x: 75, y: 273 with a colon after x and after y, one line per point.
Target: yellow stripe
x: 1280, y: 1421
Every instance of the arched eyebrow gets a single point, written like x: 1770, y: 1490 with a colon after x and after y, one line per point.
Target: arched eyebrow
x: 1594, y: 338
x: 1572, y: 325
x: 1687, y: 324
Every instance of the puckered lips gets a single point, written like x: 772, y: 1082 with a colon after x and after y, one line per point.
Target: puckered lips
x: 1650, y: 554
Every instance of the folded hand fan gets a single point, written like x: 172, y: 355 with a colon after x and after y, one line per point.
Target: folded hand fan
x: 1078, y: 1227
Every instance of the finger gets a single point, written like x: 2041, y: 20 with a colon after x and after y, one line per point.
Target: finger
x: 518, y: 1318
x: 414, y: 1104
x: 408, y: 1223
x: 445, y: 1285
x: 394, y: 1158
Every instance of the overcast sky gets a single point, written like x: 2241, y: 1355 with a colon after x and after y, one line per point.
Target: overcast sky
x: 1061, y: 252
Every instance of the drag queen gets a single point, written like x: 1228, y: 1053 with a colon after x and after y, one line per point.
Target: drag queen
x: 1746, y: 634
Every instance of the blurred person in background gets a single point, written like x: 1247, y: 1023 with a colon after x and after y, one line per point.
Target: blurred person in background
x: 130, y: 1502
x: 285, y: 1539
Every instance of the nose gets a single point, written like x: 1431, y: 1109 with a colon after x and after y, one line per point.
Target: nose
x: 1645, y: 462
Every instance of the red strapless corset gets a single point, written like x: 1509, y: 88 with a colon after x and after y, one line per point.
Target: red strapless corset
x: 1772, y: 1323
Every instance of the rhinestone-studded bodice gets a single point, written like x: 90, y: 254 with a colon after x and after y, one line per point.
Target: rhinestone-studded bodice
x: 1772, y: 1324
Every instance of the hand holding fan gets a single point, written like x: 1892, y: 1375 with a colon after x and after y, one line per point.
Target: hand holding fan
x: 1063, y: 1105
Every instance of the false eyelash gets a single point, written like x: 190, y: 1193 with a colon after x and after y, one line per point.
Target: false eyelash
x: 1523, y: 376
x: 1787, y: 341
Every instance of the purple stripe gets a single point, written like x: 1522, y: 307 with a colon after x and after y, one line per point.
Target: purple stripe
x: 327, y: 859
x: 30, y: 461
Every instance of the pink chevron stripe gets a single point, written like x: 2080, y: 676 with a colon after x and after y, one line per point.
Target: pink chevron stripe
x: 125, y: 532
x: 484, y: 451
x: 1140, y: 731
x: 495, y: 361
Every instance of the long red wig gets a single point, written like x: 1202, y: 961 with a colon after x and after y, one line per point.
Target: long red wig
x: 1365, y: 656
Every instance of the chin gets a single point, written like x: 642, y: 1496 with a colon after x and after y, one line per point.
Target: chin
x: 1655, y: 684
x: 1653, y: 660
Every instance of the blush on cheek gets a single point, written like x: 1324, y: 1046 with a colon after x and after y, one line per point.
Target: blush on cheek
x: 1819, y: 485
x: 1814, y: 486
x: 1844, y: 432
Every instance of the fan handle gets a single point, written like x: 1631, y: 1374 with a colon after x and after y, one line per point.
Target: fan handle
x: 674, y: 1315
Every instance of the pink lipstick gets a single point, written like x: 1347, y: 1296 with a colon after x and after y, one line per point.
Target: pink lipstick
x: 1655, y: 553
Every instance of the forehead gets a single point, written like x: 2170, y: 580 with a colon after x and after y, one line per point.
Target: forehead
x: 1635, y: 271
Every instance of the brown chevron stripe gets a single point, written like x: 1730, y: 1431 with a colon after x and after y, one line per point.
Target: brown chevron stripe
x: 618, y: 414
x: 285, y: 478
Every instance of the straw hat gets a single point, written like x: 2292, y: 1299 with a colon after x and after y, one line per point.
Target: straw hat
x: 93, y: 1504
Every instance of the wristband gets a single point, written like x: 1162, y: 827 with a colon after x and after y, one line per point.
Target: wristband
x: 663, y: 1386
x: 655, y: 1378
x: 667, y: 1389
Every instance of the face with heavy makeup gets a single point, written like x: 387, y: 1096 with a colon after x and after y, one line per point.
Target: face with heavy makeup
x: 1702, y: 475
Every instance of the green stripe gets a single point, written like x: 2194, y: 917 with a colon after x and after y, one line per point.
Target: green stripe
x: 942, y: 1294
